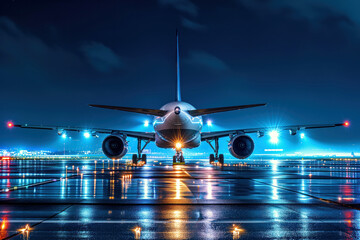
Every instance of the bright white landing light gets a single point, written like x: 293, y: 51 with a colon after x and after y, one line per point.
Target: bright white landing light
x: 146, y: 123
x: 274, y: 136
x: 86, y: 134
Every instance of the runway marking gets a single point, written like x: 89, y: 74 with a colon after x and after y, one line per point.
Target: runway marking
x: 38, y: 222
x: 187, y: 173
x: 328, y: 201
x: 11, y: 189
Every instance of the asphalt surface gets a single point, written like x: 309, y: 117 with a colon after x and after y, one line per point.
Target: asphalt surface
x: 257, y: 199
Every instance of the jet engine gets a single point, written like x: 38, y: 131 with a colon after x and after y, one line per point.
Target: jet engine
x: 114, y: 146
x: 241, y: 146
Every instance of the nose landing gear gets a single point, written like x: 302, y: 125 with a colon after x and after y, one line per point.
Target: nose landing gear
x: 216, y: 155
x: 178, y: 158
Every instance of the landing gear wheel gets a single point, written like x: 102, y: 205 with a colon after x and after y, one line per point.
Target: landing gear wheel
x: 143, y: 158
x: 134, y: 159
x: 211, y: 158
x: 221, y: 159
x: 178, y: 158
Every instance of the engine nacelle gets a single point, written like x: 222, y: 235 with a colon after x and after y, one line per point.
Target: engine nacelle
x: 114, y: 146
x: 241, y: 146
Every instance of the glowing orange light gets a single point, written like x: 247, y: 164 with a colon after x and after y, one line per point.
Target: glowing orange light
x: 3, y: 224
x: 10, y: 125
x: 178, y: 145
x: 346, y: 124
x: 26, y: 229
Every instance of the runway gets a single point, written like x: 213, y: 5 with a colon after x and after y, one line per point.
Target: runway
x: 250, y: 199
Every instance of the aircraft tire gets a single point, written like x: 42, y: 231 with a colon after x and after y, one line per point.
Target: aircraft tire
x: 143, y: 158
x: 174, y: 159
x: 134, y: 159
x: 221, y: 159
x: 211, y: 158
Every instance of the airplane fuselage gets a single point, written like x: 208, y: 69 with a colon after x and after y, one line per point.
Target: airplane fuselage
x: 177, y: 126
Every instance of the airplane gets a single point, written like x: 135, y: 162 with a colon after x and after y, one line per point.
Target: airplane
x: 178, y: 125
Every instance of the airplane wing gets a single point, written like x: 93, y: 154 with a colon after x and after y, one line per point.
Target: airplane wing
x: 261, y: 131
x: 152, y: 112
x: 201, y: 112
x: 92, y: 131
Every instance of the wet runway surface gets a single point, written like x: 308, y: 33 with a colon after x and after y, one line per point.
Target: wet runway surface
x: 256, y: 199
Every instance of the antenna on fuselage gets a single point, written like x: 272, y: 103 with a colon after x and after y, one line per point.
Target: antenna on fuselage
x: 178, y: 93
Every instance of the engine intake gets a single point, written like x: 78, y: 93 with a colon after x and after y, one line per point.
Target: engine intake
x: 114, y: 146
x: 241, y: 146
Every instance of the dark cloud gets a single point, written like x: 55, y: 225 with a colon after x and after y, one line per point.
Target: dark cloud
x: 185, y: 6
x: 204, y: 59
x: 313, y: 10
x: 28, y: 60
x: 192, y: 25
x: 101, y: 57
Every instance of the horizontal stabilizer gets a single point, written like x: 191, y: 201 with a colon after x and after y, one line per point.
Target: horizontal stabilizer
x: 200, y: 112
x: 153, y: 112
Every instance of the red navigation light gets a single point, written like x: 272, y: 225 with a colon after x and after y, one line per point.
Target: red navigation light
x: 346, y: 124
x: 10, y: 124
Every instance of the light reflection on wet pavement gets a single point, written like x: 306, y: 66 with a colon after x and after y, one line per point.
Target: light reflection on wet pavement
x: 287, y: 199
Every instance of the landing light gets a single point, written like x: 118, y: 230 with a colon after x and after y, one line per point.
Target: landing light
x: 209, y: 123
x: 63, y: 135
x: 146, y: 123
x: 178, y: 145
x: 86, y: 134
x: 274, y: 136
x: 302, y: 135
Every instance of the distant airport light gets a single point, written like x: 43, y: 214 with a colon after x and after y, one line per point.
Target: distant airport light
x: 63, y: 135
x: 346, y: 124
x: 178, y: 145
x: 146, y: 123
x: 86, y: 134
x: 274, y: 136
x: 209, y: 123
x: 10, y: 124
x: 302, y: 135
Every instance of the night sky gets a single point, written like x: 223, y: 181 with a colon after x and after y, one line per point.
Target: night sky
x: 300, y: 57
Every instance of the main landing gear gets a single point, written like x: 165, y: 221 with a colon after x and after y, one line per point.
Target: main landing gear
x: 140, y: 156
x: 178, y: 158
x: 216, y: 155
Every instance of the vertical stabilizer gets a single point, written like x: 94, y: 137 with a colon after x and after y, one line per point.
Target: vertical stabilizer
x: 178, y: 93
